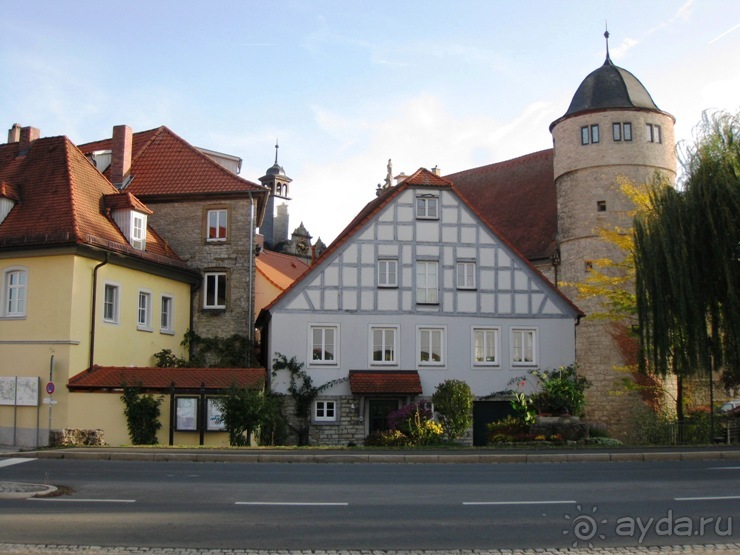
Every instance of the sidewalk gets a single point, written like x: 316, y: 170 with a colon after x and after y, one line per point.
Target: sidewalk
x: 396, y: 456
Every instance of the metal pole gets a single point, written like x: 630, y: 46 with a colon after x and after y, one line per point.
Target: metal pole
x: 51, y: 379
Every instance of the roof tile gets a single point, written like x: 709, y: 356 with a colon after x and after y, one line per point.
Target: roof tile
x: 114, y: 377
x: 385, y: 381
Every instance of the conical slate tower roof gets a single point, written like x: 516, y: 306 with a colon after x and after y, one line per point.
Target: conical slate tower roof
x: 610, y: 86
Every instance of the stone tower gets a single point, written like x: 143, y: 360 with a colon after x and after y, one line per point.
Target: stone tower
x: 611, y: 129
x: 275, y: 223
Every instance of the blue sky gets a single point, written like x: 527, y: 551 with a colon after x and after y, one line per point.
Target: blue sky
x: 346, y: 85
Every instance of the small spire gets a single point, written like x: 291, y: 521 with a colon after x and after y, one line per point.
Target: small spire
x: 606, y: 36
x: 276, y: 150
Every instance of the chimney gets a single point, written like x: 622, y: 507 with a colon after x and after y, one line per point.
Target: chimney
x: 120, y: 165
x: 14, y: 133
x: 436, y: 170
x: 28, y: 136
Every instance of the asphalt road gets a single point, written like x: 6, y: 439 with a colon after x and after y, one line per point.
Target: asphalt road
x: 374, y: 506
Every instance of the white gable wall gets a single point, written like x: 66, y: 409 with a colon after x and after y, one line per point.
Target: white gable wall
x: 343, y: 292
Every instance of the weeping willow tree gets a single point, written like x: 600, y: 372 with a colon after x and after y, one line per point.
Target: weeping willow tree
x: 687, y: 262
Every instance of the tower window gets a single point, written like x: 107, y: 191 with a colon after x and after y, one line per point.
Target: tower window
x: 622, y: 131
x: 601, y: 206
x: 590, y: 134
x: 627, y: 131
x: 652, y: 133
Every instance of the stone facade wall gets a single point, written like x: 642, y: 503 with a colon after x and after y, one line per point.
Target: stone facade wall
x: 586, y: 175
x: 183, y: 225
x: 69, y: 437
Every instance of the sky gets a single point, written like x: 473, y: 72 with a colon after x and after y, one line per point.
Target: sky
x: 345, y: 85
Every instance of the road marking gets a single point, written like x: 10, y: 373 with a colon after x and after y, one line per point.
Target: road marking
x: 10, y: 462
x: 563, y: 502
x: 275, y: 503
x: 72, y: 500
x: 715, y: 498
x: 724, y: 468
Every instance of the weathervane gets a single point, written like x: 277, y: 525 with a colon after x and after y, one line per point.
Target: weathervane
x: 606, y: 36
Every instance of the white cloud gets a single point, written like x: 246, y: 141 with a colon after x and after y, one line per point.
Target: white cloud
x: 420, y: 132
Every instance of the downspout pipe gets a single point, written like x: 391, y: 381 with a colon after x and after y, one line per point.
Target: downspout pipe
x: 250, y: 311
x: 94, y: 308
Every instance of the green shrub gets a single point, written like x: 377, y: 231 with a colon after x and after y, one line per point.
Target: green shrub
x: 142, y: 415
x: 602, y: 442
x: 561, y: 391
x: 453, y: 400
x: 598, y: 431
x: 507, y: 430
x: 388, y: 438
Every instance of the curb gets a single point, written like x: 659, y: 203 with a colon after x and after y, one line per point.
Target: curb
x: 380, y: 458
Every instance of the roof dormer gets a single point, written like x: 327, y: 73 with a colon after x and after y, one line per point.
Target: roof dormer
x: 8, y: 198
x: 130, y: 215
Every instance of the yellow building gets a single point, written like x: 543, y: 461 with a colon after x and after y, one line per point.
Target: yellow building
x: 84, y: 281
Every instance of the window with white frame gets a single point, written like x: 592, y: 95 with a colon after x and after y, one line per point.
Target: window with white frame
x: 653, y: 133
x: 324, y: 344
x: 14, y: 294
x: 111, y: 296
x: 325, y: 411
x: 427, y: 282
x: 384, y: 345
x: 144, y: 312
x: 485, y: 346
x: 466, y: 275
x: 524, y: 346
x: 217, y: 225
x: 387, y: 273
x: 214, y: 293
x: 430, y: 349
x: 166, y: 324
x: 138, y: 231
x: 427, y: 207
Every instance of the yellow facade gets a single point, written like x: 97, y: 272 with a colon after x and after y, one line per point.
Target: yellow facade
x: 105, y: 411
x: 53, y: 340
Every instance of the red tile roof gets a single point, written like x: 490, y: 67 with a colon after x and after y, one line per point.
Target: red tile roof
x: 161, y: 379
x: 385, y: 381
x: 165, y: 165
x: 125, y: 200
x: 61, y: 202
x: 516, y: 197
x: 423, y: 177
x: 280, y: 269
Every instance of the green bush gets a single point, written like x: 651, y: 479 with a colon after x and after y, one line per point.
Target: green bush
x: 507, y: 430
x: 453, y: 400
x: 561, y: 391
x: 388, y: 438
x: 142, y: 415
x: 602, y: 442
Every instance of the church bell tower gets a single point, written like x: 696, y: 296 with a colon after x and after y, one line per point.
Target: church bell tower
x: 275, y: 223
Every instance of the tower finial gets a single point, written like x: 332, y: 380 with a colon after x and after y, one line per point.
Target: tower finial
x: 276, y: 150
x: 606, y: 36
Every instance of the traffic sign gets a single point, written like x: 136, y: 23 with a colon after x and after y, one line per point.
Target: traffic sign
x: 50, y: 401
x: 50, y: 388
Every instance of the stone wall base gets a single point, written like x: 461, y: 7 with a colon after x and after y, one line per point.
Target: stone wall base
x: 69, y: 437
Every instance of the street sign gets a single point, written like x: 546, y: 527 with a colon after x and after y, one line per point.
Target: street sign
x: 50, y: 388
x: 50, y: 401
